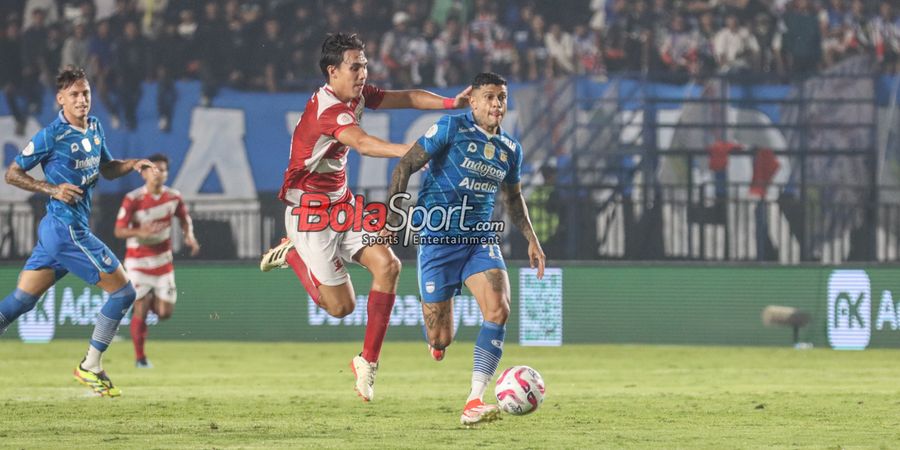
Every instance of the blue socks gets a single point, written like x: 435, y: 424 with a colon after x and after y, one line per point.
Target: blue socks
x: 487, y: 354
x: 110, y: 315
x: 14, y: 305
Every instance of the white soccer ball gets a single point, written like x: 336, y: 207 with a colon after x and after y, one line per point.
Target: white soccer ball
x: 519, y: 390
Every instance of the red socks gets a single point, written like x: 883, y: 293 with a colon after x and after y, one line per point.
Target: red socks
x: 379, y: 309
x: 303, y: 273
x: 138, y: 336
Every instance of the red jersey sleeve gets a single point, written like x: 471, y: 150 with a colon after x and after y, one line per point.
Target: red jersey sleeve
x: 373, y: 95
x: 126, y: 212
x: 337, y: 118
x: 181, y: 211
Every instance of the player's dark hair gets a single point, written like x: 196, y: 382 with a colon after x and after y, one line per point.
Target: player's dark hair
x: 159, y: 157
x: 488, y: 78
x: 69, y: 76
x: 334, y: 47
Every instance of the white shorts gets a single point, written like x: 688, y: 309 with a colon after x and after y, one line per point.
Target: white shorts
x: 162, y: 286
x: 325, y: 252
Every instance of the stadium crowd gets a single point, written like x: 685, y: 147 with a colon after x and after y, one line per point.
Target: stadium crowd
x: 272, y: 45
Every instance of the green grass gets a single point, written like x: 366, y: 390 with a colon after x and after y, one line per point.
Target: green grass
x: 254, y: 395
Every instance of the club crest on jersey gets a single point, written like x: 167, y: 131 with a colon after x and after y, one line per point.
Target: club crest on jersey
x: 429, y: 287
x: 86, y: 143
x: 344, y: 119
x: 472, y: 148
x: 97, y: 141
x: 503, y: 156
x: 74, y: 147
x: 489, y: 150
x: 29, y: 149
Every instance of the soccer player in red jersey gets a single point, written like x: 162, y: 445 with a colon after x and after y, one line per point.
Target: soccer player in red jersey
x: 145, y: 221
x: 328, y: 128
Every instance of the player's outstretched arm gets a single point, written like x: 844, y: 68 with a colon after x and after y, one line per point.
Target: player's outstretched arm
x: 422, y: 99
x: 369, y: 145
x: 410, y: 163
x: 187, y: 229
x: 518, y: 213
x: 119, y: 167
x: 64, y: 192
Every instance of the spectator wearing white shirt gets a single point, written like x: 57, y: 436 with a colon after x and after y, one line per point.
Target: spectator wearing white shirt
x: 735, y: 47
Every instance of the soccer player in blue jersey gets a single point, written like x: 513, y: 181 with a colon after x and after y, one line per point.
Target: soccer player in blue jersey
x: 470, y: 159
x: 72, y: 153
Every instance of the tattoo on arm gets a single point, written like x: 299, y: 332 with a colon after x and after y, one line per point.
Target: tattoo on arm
x: 413, y: 160
x: 18, y: 177
x: 518, y: 210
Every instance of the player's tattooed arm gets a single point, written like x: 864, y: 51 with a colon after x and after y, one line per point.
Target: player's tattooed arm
x: 120, y: 167
x: 518, y: 213
x: 414, y: 160
x: 64, y: 192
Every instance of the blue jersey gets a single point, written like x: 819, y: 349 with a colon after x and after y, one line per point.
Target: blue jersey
x: 466, y: 163
x: 68, y: 154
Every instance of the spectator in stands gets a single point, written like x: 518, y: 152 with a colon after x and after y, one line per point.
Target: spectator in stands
x: 271, y: 55
x: 169, y: 62
x: 856, y: 36
x: 11, y: 72
x: 130, y: 62
x: 706, y: 52
x: 769, y: 40
x: 678, y: 51
x: 886, y: 37
x: 34, y: 69
x: 423, y: 56
x: 537, y: 57
x: 214, y: 62
x: 832, y: 23
x: 802, y: 41
x: 561, y: 49
x: 451, y: 51
x: 395, y: 48
x: 735, y: 48
x: 100, y: 54
x: 588, y: 59
x: 75, y: 50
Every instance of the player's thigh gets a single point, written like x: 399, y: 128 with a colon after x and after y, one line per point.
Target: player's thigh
x: 440, y: 271
x: 320, y: 251
x: 36, y: 282
x: 381, y: 262
x: 143, y: 283
x: 485, y: 275
x: 86, y: 256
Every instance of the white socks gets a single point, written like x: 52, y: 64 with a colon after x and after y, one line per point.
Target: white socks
x: 92, y: 360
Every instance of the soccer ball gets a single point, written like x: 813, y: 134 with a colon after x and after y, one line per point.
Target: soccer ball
x: 519, y: 390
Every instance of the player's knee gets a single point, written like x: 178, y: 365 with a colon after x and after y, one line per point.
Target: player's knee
x: 498, y: 313
x: 126, y: 295
x: 341, y: 308
x: 440, y: 342
x: 164, y: 314
x: 390, y: 270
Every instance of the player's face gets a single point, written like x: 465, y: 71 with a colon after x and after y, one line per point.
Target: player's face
x: 489, y: 105
x: 156, y: 179
x: 75, y: 100
x: 348, y: 79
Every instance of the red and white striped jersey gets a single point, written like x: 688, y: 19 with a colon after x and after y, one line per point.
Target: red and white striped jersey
x: 152, y: 255
x: 318, y: 161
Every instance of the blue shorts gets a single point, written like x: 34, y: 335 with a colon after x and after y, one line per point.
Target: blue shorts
x: 444, y: 268
x: 65, y: 249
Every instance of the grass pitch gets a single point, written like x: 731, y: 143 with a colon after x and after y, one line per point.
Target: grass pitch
x: 287, y: 395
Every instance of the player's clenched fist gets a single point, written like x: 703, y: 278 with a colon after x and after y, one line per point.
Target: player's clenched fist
x: 67, y: 193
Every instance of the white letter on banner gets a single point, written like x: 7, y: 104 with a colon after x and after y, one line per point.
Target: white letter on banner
x: 886, y: 312
x: 217, y: 143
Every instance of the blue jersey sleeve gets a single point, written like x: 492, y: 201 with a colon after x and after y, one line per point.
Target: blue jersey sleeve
x: 105, y: 156
x: 437, y: 138
x: 514, y: 174
x: 38, y: 150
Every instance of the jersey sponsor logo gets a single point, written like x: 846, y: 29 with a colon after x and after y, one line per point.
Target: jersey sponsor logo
x: 86, y: 144
x: 62, y: 136
x: 465, y: 130
x: 483, y: 169
x: 508, y: 142
x: 431, y: 131
x: 344, y: 119
x: 478, y: 186
x: 489, y: 150
x: 472, y: 148
x: 74, y: 147
x: 86, y: 163
x: 29, y: 149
